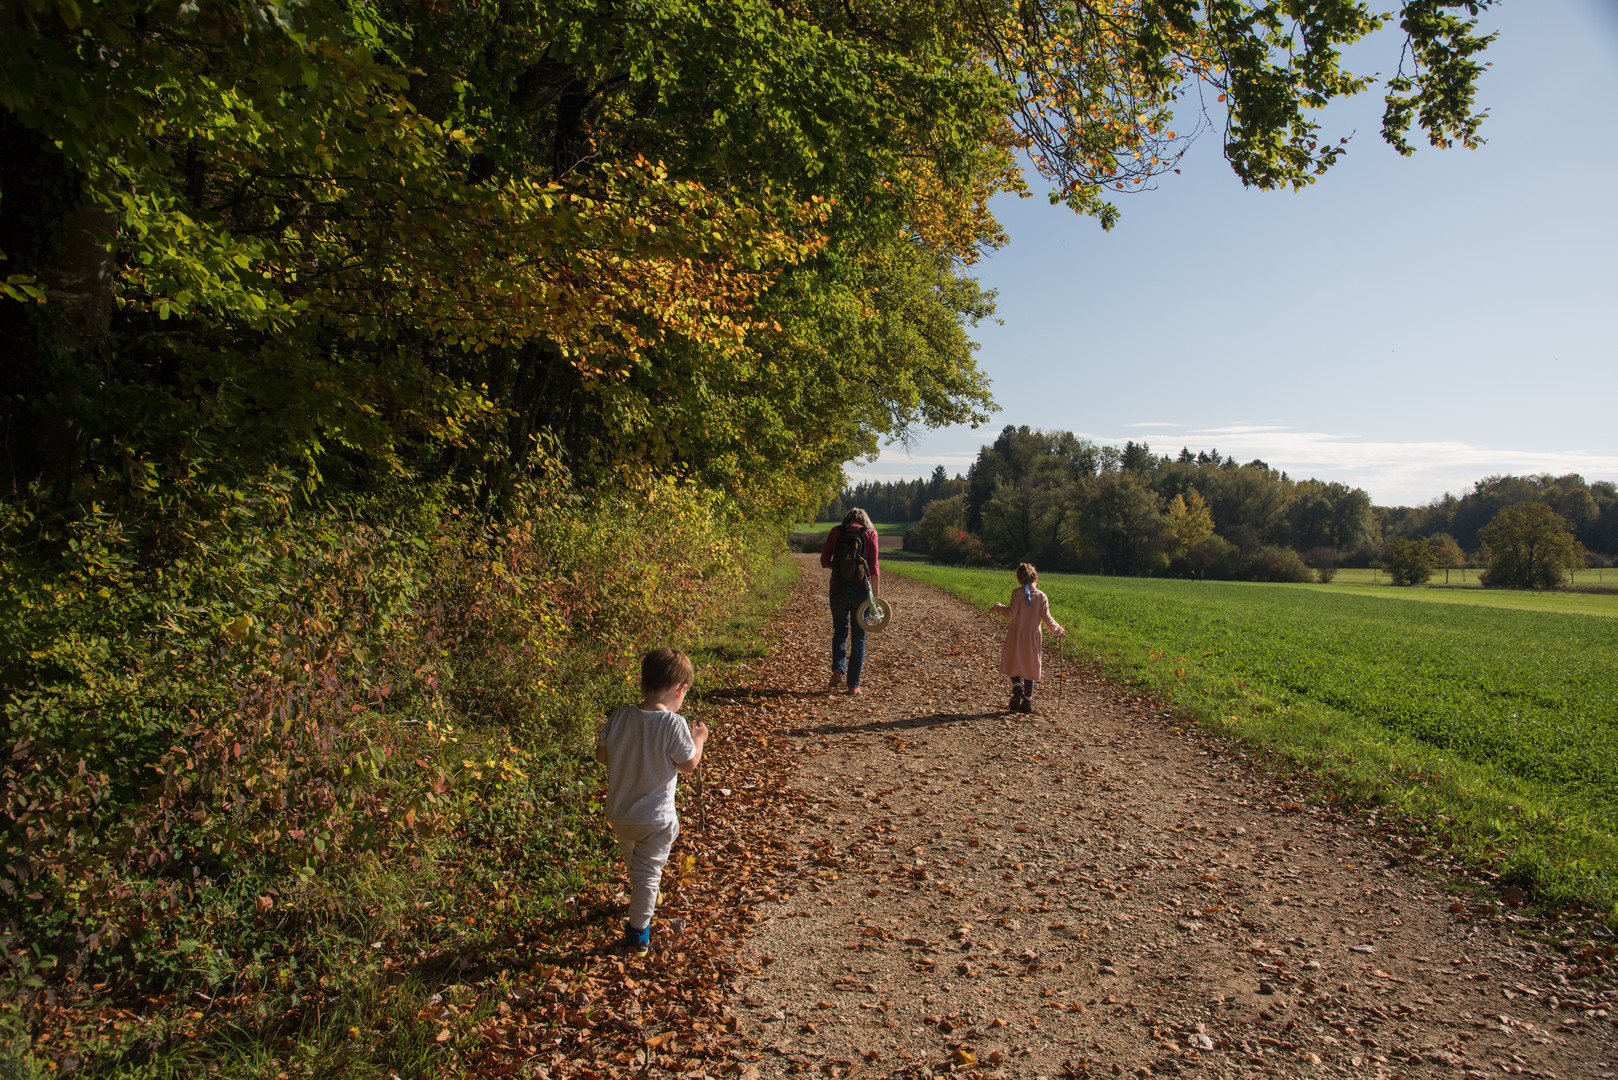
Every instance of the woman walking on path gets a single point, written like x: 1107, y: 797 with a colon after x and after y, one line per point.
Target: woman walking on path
x: 1020, y: 657
x: 850, y: 554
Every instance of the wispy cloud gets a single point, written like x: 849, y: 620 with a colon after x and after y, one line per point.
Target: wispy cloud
x: 1238, y: 429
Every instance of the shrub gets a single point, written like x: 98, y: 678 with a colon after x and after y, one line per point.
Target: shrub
x: 1323, y: 561
x: 206, y: 689
x: 959, y: 548
x: 222, y: 703
x: 1277, y: 564
x: 938, y: 518
x: 1215, y: 557
x: 806, y: 543
x: 1362, y: 558
x: 1408, y: 562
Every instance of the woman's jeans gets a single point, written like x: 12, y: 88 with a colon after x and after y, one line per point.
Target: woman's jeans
x: 845, y: 601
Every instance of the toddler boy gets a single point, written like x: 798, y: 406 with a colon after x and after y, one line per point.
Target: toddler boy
x: 645, y: 747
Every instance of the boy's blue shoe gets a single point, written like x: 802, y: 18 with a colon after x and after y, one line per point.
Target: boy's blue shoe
x: 637, y: 942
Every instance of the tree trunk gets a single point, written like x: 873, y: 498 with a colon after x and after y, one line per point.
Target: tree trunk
x: 50, y: 230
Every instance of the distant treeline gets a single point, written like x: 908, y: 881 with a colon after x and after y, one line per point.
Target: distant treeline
x: 1590, y: 510
x: 894, y: 500
x: 1067, y: 504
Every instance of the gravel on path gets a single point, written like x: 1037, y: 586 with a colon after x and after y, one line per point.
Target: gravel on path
x: 1095, y: 890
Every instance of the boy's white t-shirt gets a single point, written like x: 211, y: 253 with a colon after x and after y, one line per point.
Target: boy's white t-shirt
x: 642, y: 750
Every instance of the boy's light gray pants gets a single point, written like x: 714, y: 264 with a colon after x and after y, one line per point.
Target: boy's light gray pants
x: 645, y: 849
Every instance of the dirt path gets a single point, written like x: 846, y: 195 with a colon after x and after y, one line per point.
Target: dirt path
x: 1091, y: 891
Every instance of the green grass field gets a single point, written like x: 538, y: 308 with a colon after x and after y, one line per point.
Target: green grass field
x: 883, y: 528
x: 1374, y: 583
x: 1492, y: 729
x: 1458, y: 579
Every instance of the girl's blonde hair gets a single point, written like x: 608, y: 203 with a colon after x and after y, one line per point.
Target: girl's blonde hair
x: 858, y: 515
x: 1026, y: 574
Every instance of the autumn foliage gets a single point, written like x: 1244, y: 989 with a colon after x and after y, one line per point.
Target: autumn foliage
x: 380, y: 377
x: 1529, y: 546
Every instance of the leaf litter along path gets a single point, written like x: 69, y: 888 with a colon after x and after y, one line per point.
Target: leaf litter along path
x: 1087, y: 891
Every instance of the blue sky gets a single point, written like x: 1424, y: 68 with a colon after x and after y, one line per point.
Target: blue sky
x: 1408, y: 325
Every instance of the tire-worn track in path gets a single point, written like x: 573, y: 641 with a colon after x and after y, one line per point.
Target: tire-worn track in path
x: 1094, y: 891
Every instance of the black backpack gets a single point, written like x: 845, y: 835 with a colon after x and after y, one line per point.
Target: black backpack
x: 848, y: 557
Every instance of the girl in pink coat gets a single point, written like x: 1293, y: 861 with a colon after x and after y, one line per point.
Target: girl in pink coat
x: 1020, y: 657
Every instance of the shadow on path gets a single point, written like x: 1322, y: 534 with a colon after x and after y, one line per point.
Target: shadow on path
x: 741, y: 695
x: 937, y: 719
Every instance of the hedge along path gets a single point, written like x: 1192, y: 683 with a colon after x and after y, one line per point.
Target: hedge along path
x: 1087, y: 891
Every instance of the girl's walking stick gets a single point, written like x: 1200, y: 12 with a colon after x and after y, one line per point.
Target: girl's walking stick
x: 1061, y: 674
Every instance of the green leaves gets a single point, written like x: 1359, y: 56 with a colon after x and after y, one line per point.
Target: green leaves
x: 1409, y: 562
x: 1440, y: 86
x: 1529, y: 546
x: 22, y: 287
x: 563, y: 198
x: 1097, y: 85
